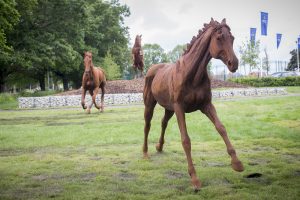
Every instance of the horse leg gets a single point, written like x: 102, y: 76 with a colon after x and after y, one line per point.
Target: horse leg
x: 186, y: 143
x: 135, y: 72
x: 150, y: 103
x: 164, y: 124
x: 90, y: 106
x: 83, y: 98
x: 96, y: 90
x: 102, y: 97
x: 211, y: 113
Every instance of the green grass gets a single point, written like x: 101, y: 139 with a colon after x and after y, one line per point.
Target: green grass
x: 293, y: 89
x: 9, y: 101
x: 67, y: 154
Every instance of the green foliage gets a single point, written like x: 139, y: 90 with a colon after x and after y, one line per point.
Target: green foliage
x: 6, y: 97
x: 112, y: 70
x: 293, y: 65
x: 8, y: 101
x: 249, y: 54
x: 52, y: 36
x: 176, y: 53
x: 38, y: 93
x: 268, y: 81
x: 9, y: 16
x: 67, y: 154
x: 153, y: 54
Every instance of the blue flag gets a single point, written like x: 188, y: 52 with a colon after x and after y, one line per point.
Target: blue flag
x: 298, y: 42
x: 252, y: 34
x: 278, y: 39
x: 264, y: 23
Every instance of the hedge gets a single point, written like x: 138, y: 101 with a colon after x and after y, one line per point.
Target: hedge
x: 268, y: 81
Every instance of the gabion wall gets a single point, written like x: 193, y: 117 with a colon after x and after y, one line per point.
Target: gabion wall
x: 129, y: 98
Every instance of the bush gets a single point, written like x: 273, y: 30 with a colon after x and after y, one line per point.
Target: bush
x: 8, y: 101
x: 268, y: 81
x: 6, y: 97
x: 37, y: 93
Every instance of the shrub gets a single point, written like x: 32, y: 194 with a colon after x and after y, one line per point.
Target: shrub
x: 268, y: 81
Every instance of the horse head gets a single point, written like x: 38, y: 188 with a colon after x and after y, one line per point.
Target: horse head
x: 87, y: 63
x: 138, y: 40
x: 221, y: 46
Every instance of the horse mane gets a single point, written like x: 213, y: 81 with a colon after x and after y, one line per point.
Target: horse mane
x: 214, y: 24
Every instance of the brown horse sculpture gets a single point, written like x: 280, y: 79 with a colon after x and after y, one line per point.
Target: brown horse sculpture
x: 93, y: 78
x: 138, y: 56
x: 184, y: 87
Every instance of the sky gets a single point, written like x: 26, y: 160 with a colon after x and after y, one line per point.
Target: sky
x: 172, y: 22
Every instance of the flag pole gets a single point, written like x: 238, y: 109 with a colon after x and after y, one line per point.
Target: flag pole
x: 264, y: 27
x: 297, y: 53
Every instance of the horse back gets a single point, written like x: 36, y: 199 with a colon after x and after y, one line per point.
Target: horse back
x: 100, y: 75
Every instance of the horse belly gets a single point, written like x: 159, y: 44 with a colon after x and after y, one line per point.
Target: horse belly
x: 160, y: 90
x: 196, y: 100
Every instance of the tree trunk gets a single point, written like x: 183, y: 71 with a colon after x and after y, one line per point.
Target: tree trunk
x: 2, y: 82
x: 65, y: 83
x: 42, y: 83
x: 2, y: 87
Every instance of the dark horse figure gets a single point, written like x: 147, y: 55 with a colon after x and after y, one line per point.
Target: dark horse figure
x: 93, y: 78
x: 138, y: 56
x: 184, y: 87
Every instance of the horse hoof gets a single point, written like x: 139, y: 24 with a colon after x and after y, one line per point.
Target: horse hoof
x: 197, y: 185
x: 237, y: 166
x: 146, y: 156
x: 159, y: 147
x: 88, y: 111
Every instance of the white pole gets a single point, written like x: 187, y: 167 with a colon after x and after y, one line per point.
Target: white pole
x: 297, y: 55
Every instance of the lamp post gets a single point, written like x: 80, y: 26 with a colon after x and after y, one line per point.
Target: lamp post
x: 297, y: 53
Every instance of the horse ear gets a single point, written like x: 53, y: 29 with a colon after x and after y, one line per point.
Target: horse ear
x: 141, y: 35
x: 212, y: 19
x: 223, y: 21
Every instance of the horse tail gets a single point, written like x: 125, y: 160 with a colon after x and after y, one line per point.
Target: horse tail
x: 104, y: 74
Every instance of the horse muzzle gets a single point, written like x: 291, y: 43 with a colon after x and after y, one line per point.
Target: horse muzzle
x: 233, y: 64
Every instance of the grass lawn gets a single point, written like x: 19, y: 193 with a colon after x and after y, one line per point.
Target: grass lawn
x: 67, y: 154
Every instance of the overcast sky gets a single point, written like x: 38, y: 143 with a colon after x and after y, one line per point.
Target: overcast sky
x: 172, y: 22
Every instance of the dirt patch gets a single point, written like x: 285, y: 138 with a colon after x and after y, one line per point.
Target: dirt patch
x: 175, y: 175
x: 137, y: 85
x: 63, y: 123
x: 213, y: 164
x: 257, y: 178
x: 254, y: 175
x: 214, y: 182
x: 258, y: 162
x: 126, y: 176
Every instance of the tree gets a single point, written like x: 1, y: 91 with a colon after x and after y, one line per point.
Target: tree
x: 12, y: 60
x: 112, y: 70
x: 292, y: 65
x: 265, y: 61
x: 105, y: 30
x: 9, y: 16
x: 52, y: 36
x: 249, y: 54
x: 153, y: 54
x: 176, y: 53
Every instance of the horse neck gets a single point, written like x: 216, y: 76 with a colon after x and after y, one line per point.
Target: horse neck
x: 196, y: 60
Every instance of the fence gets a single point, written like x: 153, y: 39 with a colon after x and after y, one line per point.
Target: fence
x: 221, y: 71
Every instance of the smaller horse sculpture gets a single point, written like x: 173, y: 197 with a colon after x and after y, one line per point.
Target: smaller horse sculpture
x: 184, y: 87
x: 93, y: 78
x: 138, y: 56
